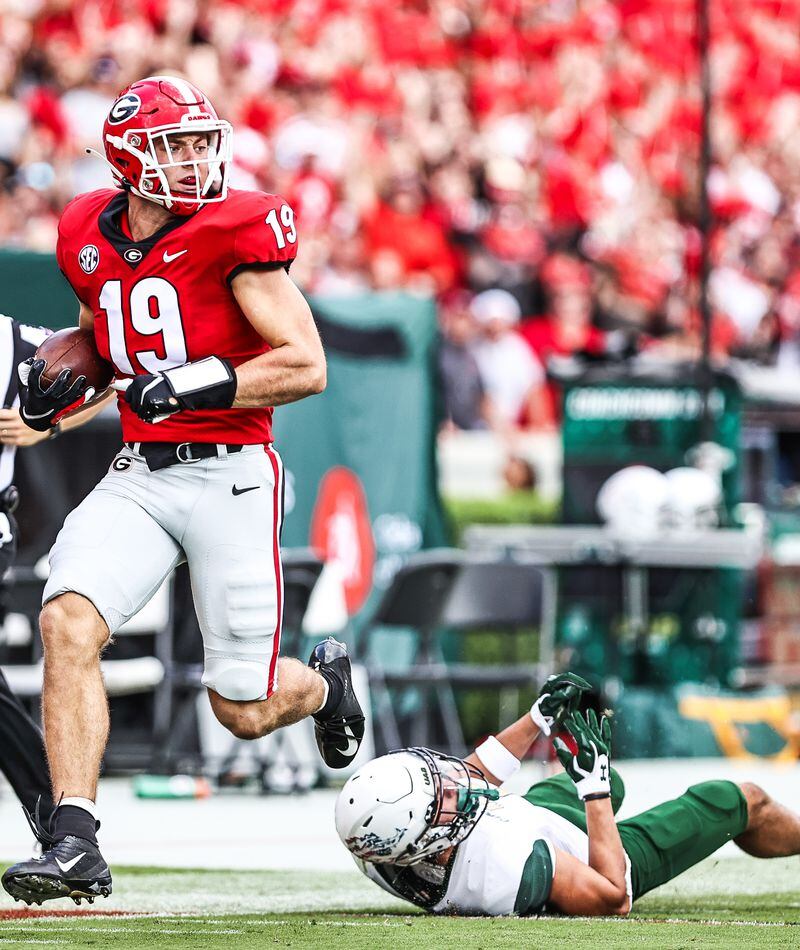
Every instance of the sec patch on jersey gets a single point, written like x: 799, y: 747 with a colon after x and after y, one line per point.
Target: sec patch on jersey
x: 89, y: 258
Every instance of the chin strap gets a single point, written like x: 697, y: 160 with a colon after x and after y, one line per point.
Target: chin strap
x: 122, y: 181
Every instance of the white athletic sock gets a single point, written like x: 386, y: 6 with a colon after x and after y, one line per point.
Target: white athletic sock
x: 85, y: 803
x: 325, y: 694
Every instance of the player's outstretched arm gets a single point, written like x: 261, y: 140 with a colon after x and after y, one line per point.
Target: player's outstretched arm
x: 295, y: 366
x: 600, y: 888
x: 499, y: 757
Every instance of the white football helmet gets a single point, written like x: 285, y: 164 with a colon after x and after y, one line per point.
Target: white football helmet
x: 632, y: 501
x: 407, y: 805
x: 693, y: 500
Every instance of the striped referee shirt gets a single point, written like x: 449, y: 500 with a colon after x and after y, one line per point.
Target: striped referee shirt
x: 18, y: 342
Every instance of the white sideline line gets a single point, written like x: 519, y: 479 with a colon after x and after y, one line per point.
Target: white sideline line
x: 566, y: 921
x: 178, y: 931
x: 121, y: 930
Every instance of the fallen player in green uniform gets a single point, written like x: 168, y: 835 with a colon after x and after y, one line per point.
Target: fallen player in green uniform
x: 437, y: 831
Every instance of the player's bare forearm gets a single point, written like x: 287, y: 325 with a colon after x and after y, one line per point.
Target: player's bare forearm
x: 558, y: 697
x: 600, y: 887
x: 606, y: 854
x: 295, y: 366
x: 517, y: 738
x: 578, y: 889
x: 285, y: 374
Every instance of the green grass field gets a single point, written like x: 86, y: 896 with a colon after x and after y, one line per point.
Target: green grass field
x: 727, y: 903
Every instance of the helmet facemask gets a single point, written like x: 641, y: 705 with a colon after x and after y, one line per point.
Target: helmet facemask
x: 461, y: 793
x: 210, y: 172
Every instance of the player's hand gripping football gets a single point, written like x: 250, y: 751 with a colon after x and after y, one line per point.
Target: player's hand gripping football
x: 590, y: 769
x: 204, y: 384
x: 558, y: 697
x: 41, y: 408
x: 150, y: 398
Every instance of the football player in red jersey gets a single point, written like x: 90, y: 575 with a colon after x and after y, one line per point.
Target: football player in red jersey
x: 185, y: 283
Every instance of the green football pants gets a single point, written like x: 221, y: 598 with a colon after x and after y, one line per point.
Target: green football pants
x: 666, y: 840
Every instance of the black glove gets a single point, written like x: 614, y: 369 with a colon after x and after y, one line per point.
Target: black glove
x: 40, y: 408
x: 151, y: 398
x: 205, y: 384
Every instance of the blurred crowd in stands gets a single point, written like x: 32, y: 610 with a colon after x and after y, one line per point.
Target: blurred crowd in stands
x: 531, y: 163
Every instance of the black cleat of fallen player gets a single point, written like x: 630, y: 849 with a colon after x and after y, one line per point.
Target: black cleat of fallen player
x: 69, y: 866
x: 339, y: 729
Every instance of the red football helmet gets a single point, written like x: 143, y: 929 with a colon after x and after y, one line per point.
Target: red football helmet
x: 136, y: 137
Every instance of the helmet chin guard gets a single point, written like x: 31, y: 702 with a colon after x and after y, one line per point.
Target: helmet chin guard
x: 409, y: 805
x: 138, y: 138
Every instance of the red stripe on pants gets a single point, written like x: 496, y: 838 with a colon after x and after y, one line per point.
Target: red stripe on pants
x: 276, y: 554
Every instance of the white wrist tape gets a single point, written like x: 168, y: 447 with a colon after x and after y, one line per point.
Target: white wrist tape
x: 201, y: 374
x: 497, y: 759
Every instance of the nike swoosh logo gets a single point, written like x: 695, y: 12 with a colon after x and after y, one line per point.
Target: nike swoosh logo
x: 241, y: 491
x: 352, y: 744
x: 171, y: 257
x: 69, y: 865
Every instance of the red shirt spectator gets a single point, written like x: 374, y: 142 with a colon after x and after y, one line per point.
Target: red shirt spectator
x: 421, y: 245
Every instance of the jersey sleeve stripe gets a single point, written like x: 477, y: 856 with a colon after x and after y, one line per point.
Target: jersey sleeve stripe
x: 257, y: 265
x: 537, y: 880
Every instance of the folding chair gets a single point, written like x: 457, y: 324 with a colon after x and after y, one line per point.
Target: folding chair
x: 450, y: 590
x: 415, y: 599
x: 123, y: 676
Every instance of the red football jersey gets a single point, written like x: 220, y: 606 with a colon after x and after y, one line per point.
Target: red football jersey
x: 167, y: 300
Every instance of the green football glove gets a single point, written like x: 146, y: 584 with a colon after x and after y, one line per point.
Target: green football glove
x: 590, y: 769
x: 558, y: 697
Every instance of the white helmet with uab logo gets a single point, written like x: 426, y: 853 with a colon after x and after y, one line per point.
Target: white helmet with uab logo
x: 408, y: 805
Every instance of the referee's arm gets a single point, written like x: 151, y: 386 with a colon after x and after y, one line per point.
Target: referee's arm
x: 13, y: 431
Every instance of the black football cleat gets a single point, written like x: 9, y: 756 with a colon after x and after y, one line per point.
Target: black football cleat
x: 338, y: 734
x: 72, y: 867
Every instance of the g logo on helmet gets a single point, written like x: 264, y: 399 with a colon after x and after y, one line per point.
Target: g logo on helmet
x: 124, y: 108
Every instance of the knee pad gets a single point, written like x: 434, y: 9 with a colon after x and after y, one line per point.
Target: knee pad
x: 251, y: 598
x: 239, y: 599
x: 236, y: 679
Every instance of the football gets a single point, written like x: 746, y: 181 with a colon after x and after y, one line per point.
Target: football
x: 74, y: 349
